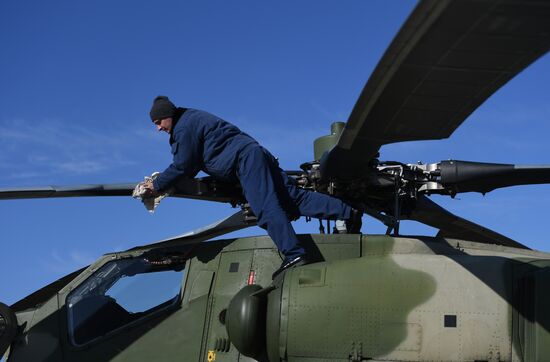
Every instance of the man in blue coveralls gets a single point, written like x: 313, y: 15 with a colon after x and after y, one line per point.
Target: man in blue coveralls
x: 202, y: 141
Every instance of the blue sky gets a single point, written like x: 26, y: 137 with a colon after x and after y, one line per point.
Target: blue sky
x: 77, y: 80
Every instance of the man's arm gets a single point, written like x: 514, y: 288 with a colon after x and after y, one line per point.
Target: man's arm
x: 187, y: 158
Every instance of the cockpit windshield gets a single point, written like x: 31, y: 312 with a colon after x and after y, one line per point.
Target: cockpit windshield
x: 121, y: 292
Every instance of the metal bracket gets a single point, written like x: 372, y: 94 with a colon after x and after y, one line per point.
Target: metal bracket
x: 248, y: 214
x: 396, y: 207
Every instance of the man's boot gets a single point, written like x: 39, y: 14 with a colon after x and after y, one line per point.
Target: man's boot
x: 288, y: 264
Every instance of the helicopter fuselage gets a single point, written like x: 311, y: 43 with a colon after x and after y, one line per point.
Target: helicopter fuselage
x: 374, y: 297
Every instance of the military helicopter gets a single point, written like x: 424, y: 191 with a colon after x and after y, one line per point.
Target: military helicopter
x: 468, y: 294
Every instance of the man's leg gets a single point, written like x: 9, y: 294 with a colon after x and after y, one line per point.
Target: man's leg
x: 316, y: 204
x: 264, y: 190
x: 322, y: 206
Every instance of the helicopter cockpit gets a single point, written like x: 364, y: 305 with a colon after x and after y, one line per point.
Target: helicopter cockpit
x: 121, y: 293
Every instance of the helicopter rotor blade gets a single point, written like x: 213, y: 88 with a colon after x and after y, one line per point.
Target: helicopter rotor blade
x: 446, y: 60
x: 464, y: 176
x: 205, y: 188
x: 235, y: 222
x: 452, y: 226
x: 39, y: 192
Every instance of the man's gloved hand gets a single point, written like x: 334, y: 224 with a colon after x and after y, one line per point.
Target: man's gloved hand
x: 145, y: 191
x: 149, y: 189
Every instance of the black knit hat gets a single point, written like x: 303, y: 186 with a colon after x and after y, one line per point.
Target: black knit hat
x: 162, y: 108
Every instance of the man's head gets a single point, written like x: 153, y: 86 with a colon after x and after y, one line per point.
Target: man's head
x: 162, y: 113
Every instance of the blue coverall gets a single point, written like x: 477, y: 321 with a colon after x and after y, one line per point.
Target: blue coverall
x: 202, y: 141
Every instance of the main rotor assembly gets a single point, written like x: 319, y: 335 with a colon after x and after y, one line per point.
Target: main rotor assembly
x: 389, y: 190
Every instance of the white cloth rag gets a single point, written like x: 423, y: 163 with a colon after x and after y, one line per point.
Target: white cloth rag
x: 140, y: 193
